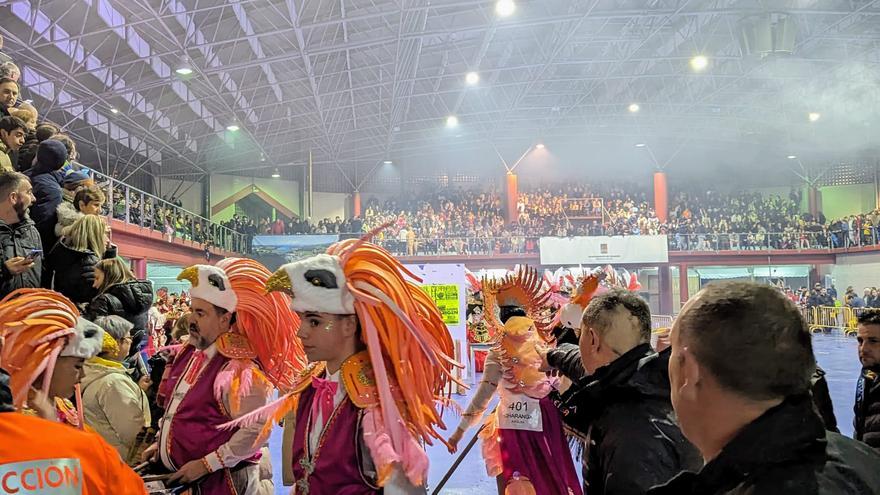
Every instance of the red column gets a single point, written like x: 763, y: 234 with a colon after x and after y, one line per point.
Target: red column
x: 683, y: 294
x: 664, y: 286
x: 139, y: 268
x: 661, y: 196
x: 356, y: 204
x: 512, y: 197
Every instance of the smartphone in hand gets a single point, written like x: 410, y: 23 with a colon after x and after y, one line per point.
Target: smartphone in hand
x: 34, y: 254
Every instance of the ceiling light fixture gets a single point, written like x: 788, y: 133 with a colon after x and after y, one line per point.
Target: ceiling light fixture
x: 791, y: 157
x: 505, y: 8
x: 276, y: 174
x: 452, y: 121
x: 699, y: 63
x: 184, y: 68
x: 232, y: 127
x: 633, y: 107
x: 640, y: 145
x: 114, y: 110
x: 540, y: 146
x: 387, y: 162
x: 472, y: 78
x: 814, y: 116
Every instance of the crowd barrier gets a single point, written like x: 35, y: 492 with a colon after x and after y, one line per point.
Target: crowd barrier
x: 827, y: 318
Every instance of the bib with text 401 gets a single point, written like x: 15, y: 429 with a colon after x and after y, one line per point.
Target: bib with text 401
x: 519, y: 412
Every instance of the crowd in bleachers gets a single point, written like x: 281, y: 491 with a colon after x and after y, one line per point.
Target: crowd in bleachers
x: 450, y: 221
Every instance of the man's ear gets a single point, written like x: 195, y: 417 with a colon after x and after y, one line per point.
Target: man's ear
x: 691, y: 373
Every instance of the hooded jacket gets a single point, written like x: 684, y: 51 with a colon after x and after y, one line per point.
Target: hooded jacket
x: 130, y: 300
x: 75, y: 271
x: 624, y: 414
x: 114, y: 405
x: 67, y: 215
x: 786, y: 451
x: 48, y: 194
x: 19, y: 240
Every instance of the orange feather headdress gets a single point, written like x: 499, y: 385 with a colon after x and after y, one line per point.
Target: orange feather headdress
x: 408, y: 344
x: 36, y: 324
x: 523, y: 288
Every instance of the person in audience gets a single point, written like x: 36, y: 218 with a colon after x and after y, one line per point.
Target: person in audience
x: 8, y: 95
x: 620, y: 401
x: 113, y: 404
x: 46, y: 177
x: 74, y: 256
x: 87, y: 200
x: 10, y: 70
x: 20, y: 247
x: 867, y: 405
x: 30, y: 431
x: 12, y: 134
x: 120, y: 293
x: 740, y: 369
x: 27, y: 113
x: 28, y: 151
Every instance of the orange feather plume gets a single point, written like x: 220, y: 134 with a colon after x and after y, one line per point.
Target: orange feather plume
x: 267, y: 321
x: 35, y: 325
x: 415, y: 343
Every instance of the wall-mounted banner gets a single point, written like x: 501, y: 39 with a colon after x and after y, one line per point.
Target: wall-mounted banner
x: 640, y: 249
x: 293, y: 247
x: 446, y: 298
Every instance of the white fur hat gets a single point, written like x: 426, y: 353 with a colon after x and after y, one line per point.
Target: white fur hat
x: 86, y: 342
x: 316, y: 284
x: 211, y: 284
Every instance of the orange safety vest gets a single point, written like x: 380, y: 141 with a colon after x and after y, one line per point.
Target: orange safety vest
x: 48, y: 458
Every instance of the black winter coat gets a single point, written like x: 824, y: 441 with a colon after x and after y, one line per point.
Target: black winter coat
x: 786, y: 451
x: 130, y: 300
x: 19, y: 240
x: 75, y: 271
x: 48, y: 194
x: 822, y: 400
x: 623, y: 412
x: 867, y: 408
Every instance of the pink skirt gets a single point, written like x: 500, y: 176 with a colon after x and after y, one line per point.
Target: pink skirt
x: 542, y: 457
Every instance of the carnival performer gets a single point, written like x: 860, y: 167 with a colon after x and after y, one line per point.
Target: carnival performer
x: 240, y: 346
x: 524, y: 445
x: 381, y: 363
x: 43, y: 345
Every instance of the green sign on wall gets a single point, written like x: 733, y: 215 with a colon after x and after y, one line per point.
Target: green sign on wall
x: 445, y: 296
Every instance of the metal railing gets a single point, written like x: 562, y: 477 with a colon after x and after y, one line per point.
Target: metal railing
x: 827, y: 318
x: 136, y: 207
x: 461, y: 246
x: 763, y: 241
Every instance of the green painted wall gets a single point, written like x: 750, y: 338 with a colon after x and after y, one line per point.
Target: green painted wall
x: 222, y: 186
x: 841, y: 201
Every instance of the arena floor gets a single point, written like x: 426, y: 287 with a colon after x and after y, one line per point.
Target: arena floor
x: 836, y: 354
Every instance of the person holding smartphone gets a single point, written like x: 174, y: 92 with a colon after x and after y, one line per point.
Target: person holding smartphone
x: 20, y: 247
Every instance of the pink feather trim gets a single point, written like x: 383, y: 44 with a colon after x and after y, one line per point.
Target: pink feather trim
x: 412, y: 459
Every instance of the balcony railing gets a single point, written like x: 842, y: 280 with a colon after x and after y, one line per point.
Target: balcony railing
x: 136, y: 207
x: 794, y: 241
x: 461, y: 246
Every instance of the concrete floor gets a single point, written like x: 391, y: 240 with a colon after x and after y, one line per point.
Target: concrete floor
x: 835, y: 353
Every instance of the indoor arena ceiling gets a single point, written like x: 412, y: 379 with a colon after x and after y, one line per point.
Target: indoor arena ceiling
x: 359, y: 82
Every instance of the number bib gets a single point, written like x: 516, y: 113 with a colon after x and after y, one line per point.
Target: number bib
x: 519, y: 412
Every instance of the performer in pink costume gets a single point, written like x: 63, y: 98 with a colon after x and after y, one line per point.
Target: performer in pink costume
x: 523, y: 442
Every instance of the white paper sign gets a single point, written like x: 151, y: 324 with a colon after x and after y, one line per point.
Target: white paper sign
x: 519, y: 412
